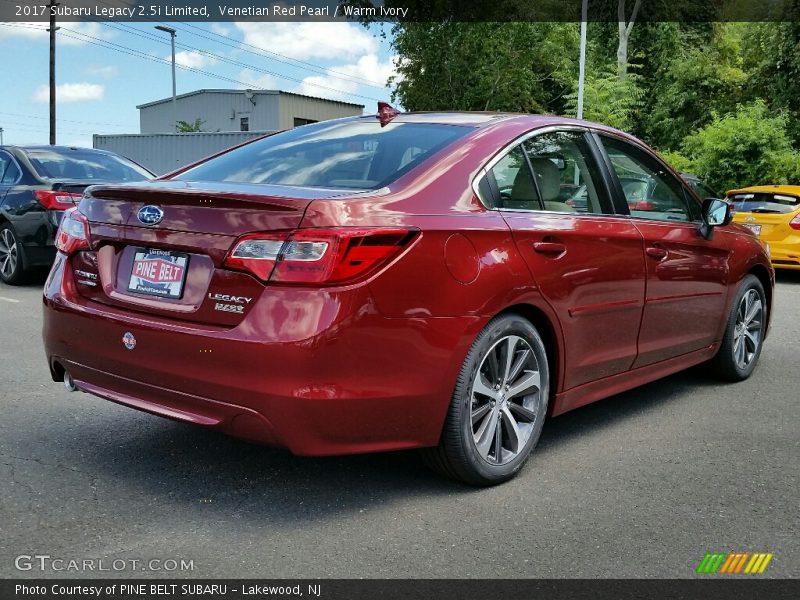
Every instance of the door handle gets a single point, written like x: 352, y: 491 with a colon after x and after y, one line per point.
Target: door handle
x: 656, y: 252
x: 549, y: 247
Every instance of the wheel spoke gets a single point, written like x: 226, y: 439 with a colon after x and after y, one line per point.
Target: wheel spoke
x: 529, y: 381
x: 523, y: 413
x: 498, y: 440
x: 511, y: 344
x: 494, y: 367
x: 486, y: 434
x: 482, y: 387
x: 479, y: 412
x: 755, y: 308
x: 752, y: 338
x: 518, y: 364
x: 512, y: 431
x: 740, y: 353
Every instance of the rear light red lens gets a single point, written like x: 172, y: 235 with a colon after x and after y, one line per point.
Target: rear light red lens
x: 317, y: 256
x: 56, y: 200
x: 795, y: 223
x: 643, y: 205
x: 73, y: 233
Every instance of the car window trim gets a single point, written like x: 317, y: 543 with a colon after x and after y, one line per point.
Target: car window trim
x: 518, y: 141
x: 618, y: 199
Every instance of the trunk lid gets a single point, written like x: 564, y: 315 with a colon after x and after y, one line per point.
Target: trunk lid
x: 174, y: 267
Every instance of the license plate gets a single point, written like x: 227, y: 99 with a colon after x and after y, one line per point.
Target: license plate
x: 754, y: 228
x: 158, y: 273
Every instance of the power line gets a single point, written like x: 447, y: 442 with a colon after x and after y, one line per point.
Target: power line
x: 29, y: 116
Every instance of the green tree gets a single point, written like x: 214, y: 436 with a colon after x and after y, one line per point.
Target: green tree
x: 608, y: 99
x: 748, y: 147
x: 772, y: 52
x: 186, y: 127
x: 520, y: 67
x: 700, y: 80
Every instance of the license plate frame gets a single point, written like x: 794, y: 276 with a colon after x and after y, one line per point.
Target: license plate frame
x: 756, y: 229
x: 158, y: 273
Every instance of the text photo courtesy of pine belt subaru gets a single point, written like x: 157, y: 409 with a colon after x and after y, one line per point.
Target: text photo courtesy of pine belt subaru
x: 37, y: 184
x: 772, y: 212
x: 403, y: 281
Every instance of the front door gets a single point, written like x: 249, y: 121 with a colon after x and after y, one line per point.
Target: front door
x: 686, y: 274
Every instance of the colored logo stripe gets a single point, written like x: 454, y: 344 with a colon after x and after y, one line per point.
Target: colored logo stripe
x: 735, y: 563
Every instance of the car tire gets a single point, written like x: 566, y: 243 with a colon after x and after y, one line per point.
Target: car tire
x: 744, y: 332
x: 12, y: 256
x: 498, y: 405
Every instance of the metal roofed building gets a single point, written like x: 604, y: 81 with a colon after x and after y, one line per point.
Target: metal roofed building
x: 241, y: 110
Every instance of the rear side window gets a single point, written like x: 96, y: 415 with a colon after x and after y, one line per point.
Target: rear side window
x: 765, y: 203
x: 11, y: 173
x: 357, y: 155
x: 85, y: 165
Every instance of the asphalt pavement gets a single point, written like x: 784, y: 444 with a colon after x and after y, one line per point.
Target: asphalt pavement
x: 642, y: 484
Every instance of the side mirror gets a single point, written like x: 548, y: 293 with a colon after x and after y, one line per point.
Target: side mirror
x: 716, y: 212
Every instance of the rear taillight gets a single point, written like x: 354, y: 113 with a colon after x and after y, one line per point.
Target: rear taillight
x: 73, y: 233
x: 56, y: 200
x: 318, y: 256
x: 795, y: 223
x: 642, y: 205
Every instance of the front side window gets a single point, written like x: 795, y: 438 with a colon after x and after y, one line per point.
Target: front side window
x: 356, y: 155
x: 650, y: 190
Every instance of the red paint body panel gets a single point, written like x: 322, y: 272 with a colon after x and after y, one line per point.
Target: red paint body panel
x: 371, y: 365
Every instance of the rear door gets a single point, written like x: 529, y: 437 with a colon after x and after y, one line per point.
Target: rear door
x: 587, y: 262
x: 687, y: 275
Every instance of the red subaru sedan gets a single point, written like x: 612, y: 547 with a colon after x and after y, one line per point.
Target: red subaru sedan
x: 403, y: 281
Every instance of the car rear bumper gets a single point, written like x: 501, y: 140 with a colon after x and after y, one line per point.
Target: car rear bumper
x: 317, y: 373
x: 784, y: 255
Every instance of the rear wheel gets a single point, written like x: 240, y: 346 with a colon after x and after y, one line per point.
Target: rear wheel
x: 498, y: 406
x: 11, y: 261
x: 744, y: 333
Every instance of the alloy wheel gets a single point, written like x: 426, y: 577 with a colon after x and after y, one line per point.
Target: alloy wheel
x: 8, y: 253
x: 747, y: 331
x: 505, y: 400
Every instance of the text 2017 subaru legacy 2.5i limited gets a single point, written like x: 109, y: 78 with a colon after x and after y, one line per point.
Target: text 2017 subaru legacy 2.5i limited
x: 402, y: 281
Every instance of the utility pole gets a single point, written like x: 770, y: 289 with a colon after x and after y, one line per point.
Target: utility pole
x: 172, y: 32
x: 1, y: 136
x: 52, y: 31
x: 582, y: 60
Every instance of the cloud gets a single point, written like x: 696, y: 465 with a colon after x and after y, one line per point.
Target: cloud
x: 192, y: 59
x: 258, y: 81
x: 220, y: 29
x: 309, y: 40
x: 70, y: 34
x: 366, y: 68
x: 106, y: 72
x: 70, y: 92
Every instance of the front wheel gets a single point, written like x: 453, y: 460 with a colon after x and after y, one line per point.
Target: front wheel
x: 498, y: 406
x: 744, y: 332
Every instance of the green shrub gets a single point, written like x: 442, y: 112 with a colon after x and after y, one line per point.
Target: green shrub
x: 747, y: 147
x: 677, y: 161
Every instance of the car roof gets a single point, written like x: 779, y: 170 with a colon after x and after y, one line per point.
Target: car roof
x: 487, y: 118
x: 58, y: 149
x: 794, y: 190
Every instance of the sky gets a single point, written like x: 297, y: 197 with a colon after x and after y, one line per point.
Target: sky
x: 104, y: 70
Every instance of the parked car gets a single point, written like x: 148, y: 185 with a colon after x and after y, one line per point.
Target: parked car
x: 37, y: 184
x: 772, y: 212
x: 699, y: 187
x: 364, y: 285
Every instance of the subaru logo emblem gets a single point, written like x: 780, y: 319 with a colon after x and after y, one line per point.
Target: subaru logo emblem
x: 150, y: 215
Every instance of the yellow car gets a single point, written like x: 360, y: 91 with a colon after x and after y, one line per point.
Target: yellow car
x: 772, y: 212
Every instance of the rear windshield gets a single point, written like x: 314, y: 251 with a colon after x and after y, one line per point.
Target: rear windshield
x: 354, y: 154
x: 85, y: 165
x: 764, y: 203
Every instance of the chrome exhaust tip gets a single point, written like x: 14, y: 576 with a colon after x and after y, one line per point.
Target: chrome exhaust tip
x: 69, y: 383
